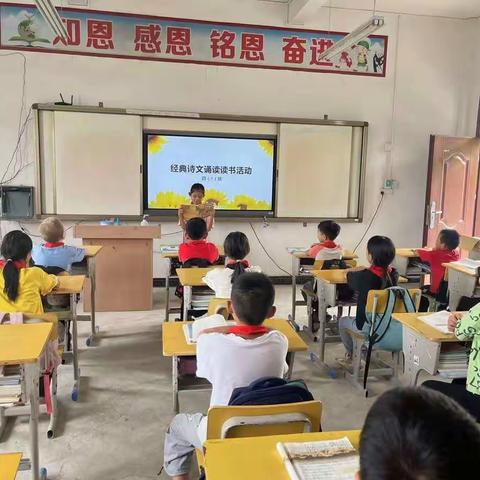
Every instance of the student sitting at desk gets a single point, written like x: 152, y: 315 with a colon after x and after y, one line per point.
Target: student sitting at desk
x: 326, y: 249
x: 418, y: 434
x: 465, y: 391
x: 445, y: 251
x: 380, y: 275
x: 54, y: 254
x: 236, y: 248
x: 21, y: 287
x: 229, y: 357
x: 196, y: 247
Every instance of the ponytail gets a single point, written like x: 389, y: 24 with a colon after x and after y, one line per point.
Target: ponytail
x: 16, y: 246
x: 11, y: 277
x: 238, y: 269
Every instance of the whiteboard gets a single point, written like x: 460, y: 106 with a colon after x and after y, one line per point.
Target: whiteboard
x: 317, y: 170
x: 98, y: 160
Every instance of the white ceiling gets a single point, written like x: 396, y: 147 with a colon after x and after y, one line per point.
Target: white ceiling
x: 442, y: 8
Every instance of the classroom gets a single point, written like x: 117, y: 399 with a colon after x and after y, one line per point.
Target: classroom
x: 239, y: 239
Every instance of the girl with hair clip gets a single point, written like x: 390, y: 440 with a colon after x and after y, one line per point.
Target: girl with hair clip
x: 236, y: 249
x: 379, y: 276
x: 197, y: 195
x: 21, y: 288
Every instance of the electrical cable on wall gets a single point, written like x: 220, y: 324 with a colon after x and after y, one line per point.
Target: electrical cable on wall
x: 371, y: 221
x: 266, y: 252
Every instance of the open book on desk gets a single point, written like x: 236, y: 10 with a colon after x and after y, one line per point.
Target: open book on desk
x: 326, y: 460
x: 193, y: 330
x: 437, y: 320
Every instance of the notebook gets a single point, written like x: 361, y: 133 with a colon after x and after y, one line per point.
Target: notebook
x: 193, y: 330
x: 437, y: 320
x: 326, y: 460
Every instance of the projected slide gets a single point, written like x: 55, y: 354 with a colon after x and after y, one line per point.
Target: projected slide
x: 237, y: 172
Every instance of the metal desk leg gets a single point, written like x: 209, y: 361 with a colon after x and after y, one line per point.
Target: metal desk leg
x: 175, y: 383
x: 32, y: 372
x: 76, y: 370
x: 167, y: 292
x: 53, y: 416
x: 322, y: 318
x: 295, y: 271
x: 92, y: 275
x: 187, y: 300
x: 290, y: 363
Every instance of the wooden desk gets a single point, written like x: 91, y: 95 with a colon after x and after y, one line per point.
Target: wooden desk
x: 71, y: 285
x: 422, y: 345
x: 175, y: 346
x: 403, y: 263
x: 23, y: 344
x: 189, y: 278
x: 299, y: 258
x: 173, y: 262
x: 462, y: 281
x: 257, y: 457
x: 9, y: 463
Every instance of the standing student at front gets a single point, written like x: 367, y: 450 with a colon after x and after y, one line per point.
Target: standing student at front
x: 380, y: 275
x: 229, y: 357
x: 196, y: 246
x: 418, y: 434
x: 197, y: 194
x: 326, y: 249
x: 236, y: 248
x: 54, y: 253
x: 21, y: 288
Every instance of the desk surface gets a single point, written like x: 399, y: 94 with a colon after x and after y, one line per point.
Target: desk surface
x: 91, y: 250
x: 9, y: 463
x: 68, y: 284
x: 346, y: 255
x: 411, y: 320
x: 23, y: 343
x: 460, y: 268
x: 336, y: 277
x: 174, y: 254
x: 174, y: 342
x: 192, y: 277
x: 406, y: 252
x: 257, y: 457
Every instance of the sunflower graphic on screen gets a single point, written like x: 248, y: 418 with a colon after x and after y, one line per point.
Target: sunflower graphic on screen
x: 267, y: 146
x: 156, y: 143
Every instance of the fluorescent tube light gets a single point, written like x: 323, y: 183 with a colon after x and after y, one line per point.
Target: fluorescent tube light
x: 353, y: 38
x: 51, y: 16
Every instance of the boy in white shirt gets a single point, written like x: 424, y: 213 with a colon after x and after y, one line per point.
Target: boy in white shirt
x: 236, y: 248
x: 229, y: 357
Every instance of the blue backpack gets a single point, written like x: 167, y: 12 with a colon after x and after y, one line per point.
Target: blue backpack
x: 271, y: 391
x: 386, y: 333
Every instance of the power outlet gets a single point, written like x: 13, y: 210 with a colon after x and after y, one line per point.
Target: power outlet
x: 388, y: 184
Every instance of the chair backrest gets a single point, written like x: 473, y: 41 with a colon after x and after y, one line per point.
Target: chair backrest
x: 327, y: 264
x: 217, y: 304
x: 263, y: 420
x: 382, y: 299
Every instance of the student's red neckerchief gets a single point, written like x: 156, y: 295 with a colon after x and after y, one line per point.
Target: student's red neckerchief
x: 243, y: 262
x: 380, y: 271
x: 53, y: 244
x: 328, y: 244
x: 248, y: 330
x: 18, y: 264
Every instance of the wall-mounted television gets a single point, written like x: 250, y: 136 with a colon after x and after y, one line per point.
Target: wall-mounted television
x: 238, y: 172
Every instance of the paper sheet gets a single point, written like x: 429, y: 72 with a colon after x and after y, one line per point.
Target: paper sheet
x: 438, y: 320
x: 343, y: 467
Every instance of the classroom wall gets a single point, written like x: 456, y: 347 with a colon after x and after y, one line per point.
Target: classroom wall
x: 426, y: 91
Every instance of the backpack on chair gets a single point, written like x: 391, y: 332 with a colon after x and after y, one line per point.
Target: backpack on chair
x: 271, y: 391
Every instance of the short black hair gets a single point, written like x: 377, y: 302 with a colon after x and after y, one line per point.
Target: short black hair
x: 382, y: 251
x: 197, y: 187
x: 450, y: 238
x: 418, y: 434
x: 252, y: 297
x: 196, y: 228
x: 330, y: 229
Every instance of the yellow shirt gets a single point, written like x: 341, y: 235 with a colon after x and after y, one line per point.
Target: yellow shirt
x: 33, y: 283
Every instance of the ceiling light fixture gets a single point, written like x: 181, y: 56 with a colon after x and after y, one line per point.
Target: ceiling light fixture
x: 51, y: 16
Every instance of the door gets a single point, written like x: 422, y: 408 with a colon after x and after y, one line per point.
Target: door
x: 452, y: 186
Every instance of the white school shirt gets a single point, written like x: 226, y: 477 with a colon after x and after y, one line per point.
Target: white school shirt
x: 228, y: 361
x: 220, y: 280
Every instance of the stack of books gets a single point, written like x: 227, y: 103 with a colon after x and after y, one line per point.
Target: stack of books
x: 10, y: 385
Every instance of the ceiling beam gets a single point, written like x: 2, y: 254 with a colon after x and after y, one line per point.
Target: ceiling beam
x: 300, y: 10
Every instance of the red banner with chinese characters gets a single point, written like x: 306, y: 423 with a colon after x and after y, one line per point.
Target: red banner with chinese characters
x: 122, y: 35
